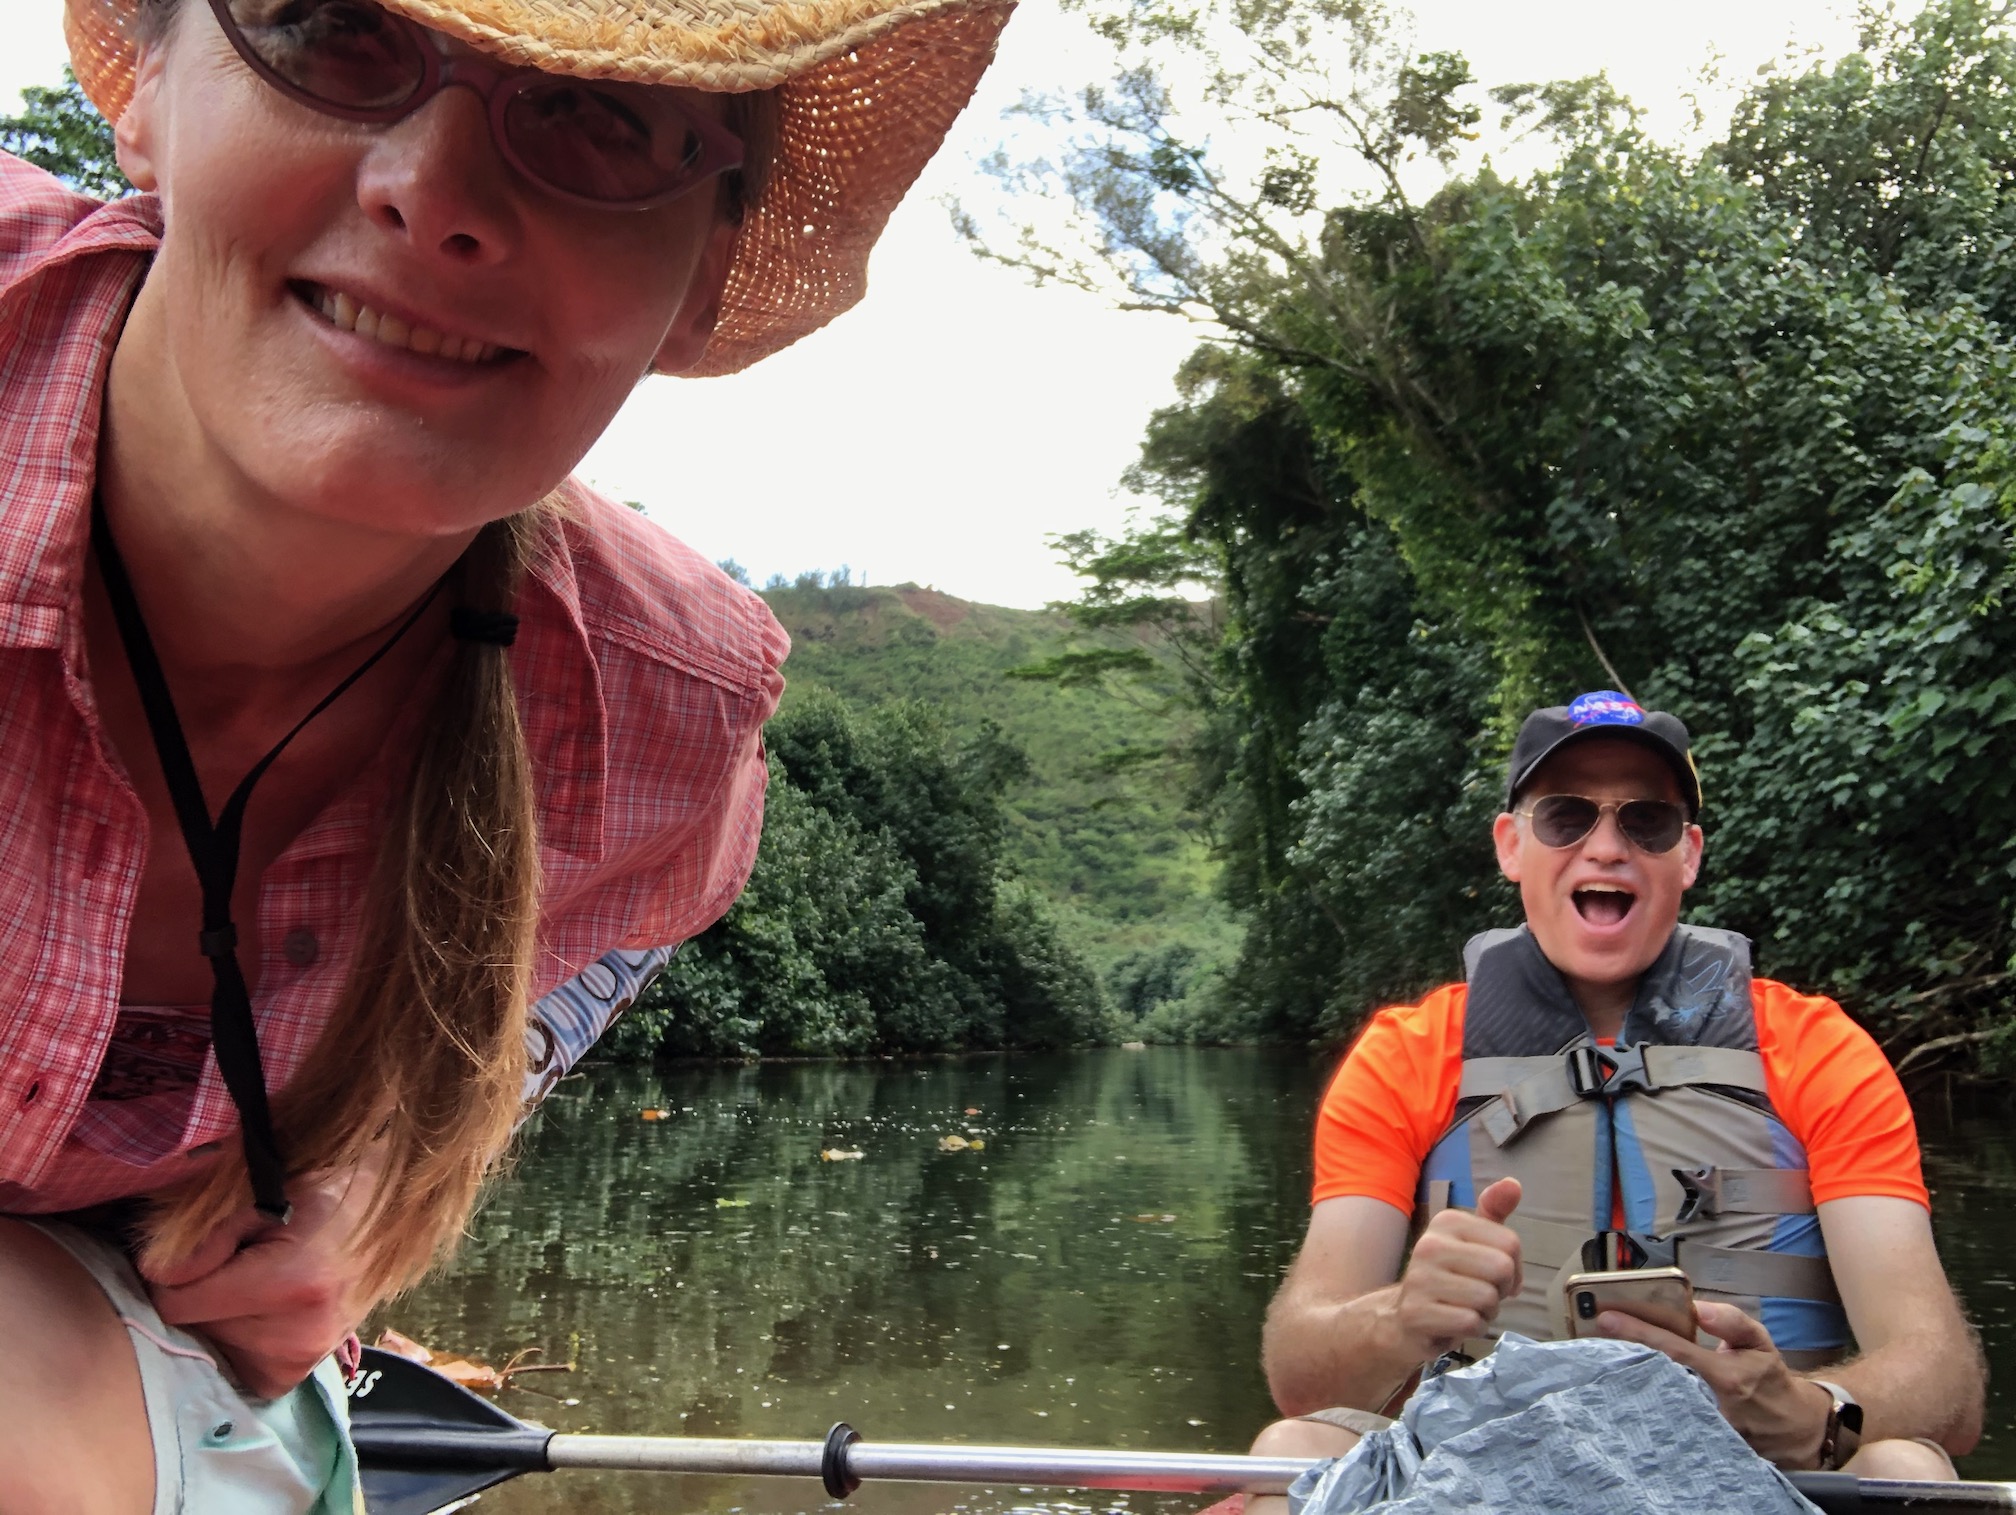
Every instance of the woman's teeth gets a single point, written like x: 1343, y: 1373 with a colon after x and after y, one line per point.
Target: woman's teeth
x: 340, y: 310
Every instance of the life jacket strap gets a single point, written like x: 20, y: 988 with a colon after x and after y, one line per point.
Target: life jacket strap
x: 1523, y: 1089
x: 1729, y: 1270
x: 1714, y: 1192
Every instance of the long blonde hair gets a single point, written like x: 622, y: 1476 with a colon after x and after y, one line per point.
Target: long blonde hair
x: 421, y: 1069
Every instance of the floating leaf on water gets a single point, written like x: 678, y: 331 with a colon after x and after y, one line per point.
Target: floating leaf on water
x: 970, y: 1110
x: 953, y: 1143
x: 649, y: 1114
x: 1152, y: 1219
x: 731, y: 1204
x: 392, y: 1341
x: 839, y: 1155
x: 976, y: 1145
x: 469, y: 1372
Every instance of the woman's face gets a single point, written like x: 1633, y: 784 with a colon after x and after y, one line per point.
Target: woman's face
x: 283, y: 224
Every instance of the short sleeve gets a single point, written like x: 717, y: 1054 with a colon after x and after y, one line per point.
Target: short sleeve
x: 1838, y: 1094
x: 1390, y: 1100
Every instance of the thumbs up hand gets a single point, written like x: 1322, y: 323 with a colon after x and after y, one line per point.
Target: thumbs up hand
x: 1465, y: 1266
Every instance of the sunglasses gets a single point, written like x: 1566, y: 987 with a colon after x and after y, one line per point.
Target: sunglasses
x: 1562, y: 820
x: 595, y: 142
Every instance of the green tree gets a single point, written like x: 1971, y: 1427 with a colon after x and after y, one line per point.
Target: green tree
x: 1722, y: 427
x: 60, y: 130
x: 879, y: 916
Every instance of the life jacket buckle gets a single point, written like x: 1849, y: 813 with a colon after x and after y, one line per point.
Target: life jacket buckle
x: 1604, y: 1072
x: 1703, y: 1188
x: 1586, y: 1071
x: 1621, y: 1251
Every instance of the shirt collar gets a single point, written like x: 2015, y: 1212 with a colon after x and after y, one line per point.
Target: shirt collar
x: 60, y: 319
x: 560, y: 699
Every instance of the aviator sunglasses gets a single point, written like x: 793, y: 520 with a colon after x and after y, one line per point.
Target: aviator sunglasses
x: 1562, y: 820
x: 595, y: 142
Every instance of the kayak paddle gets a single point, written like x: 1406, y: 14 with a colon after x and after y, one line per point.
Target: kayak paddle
x: 426, y: 1443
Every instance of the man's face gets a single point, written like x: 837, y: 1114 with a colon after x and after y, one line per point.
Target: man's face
x: 1603, y: 908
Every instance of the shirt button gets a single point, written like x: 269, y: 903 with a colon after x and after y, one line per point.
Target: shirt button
x: 300, y: 946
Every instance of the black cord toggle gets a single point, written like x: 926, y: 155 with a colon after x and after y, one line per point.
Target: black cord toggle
x: 220, y: 942
x: 833, y: 1470
x: 499, y: 628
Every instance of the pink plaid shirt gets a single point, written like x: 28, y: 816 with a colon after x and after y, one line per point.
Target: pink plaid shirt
x: 644, y: 677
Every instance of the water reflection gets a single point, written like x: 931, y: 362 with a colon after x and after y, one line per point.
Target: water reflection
x: 1094, y: 1275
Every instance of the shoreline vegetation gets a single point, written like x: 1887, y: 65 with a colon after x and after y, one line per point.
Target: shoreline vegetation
x: 1723, y: 423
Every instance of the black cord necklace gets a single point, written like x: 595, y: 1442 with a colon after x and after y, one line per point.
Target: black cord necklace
x: 213, y: 849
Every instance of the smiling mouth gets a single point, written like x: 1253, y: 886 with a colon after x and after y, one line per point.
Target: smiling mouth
x: 346, y: 314
x: 1603, y: 904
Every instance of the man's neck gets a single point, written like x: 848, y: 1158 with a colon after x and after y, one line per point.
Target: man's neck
x: 242, y: 591
x: 1604, y: 1006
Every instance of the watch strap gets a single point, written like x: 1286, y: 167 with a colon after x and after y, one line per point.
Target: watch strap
x: 1842, y: 1436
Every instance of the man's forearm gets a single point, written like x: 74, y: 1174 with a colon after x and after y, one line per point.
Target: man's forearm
x: 1322, y: 1355
x: 1917, y: 1388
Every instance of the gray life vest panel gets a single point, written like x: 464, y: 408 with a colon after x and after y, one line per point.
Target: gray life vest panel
x: 1676, y: 1114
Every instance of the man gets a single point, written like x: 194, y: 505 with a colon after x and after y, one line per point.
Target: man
x: 1610, y: 1089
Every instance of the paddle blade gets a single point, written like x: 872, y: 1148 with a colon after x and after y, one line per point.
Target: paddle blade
x: 424, y: 1443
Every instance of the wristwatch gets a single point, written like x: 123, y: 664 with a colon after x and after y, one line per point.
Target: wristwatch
x: 1844, y: 1427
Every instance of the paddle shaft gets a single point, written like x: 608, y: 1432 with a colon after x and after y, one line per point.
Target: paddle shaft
x: 1051, y: 1467
x: 426, y: 1443
x: 870, y: 1462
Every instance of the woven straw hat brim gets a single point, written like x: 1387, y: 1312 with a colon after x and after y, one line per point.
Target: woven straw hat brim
x: 866, y: 89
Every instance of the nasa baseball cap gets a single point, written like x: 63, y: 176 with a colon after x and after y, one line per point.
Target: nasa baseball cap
x: 1604, y: 713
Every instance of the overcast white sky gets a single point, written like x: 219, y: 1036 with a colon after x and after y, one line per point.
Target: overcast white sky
x: 956, y: 418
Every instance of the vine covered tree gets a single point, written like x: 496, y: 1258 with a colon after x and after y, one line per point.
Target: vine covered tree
x: 1723, y: 425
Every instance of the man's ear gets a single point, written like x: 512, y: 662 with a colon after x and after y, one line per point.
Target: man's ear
x: 1505, y: 837
x: 136, y: 135
x: 700, y: 311
x: 1692, y: 842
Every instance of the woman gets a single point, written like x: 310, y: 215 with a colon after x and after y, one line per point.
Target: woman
x: 340, y: 726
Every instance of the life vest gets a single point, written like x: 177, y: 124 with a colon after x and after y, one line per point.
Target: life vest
x: 1712, y: 1180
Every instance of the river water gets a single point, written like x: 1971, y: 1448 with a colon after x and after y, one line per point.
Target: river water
x: 1090, y: 1271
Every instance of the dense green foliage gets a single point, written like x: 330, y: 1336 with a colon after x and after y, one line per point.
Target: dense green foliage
x: 1095, y: 824
x: 59, y: 130
x: 1728, y: 427
x: 879, y: 916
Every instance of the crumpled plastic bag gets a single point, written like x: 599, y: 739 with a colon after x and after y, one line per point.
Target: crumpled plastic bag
x: 1585, y: 1427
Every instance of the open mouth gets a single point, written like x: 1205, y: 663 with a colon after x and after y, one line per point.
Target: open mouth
x: 1604, y: 904
x: 346, y: 314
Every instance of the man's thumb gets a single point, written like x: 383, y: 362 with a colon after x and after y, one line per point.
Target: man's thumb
x: 1500, y: 1200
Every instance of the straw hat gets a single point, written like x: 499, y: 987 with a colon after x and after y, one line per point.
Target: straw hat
x: 868, y: 89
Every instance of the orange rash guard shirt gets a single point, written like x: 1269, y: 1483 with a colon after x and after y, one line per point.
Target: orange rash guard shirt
x: 1395, y: 1093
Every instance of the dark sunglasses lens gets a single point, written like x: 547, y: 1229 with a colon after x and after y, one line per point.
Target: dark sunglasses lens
x: 613, y: 142
x: 1562, y: 820
x: 1653, y: 825
x: 347, y: 53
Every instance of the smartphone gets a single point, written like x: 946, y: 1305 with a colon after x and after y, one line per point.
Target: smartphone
x: 1659, y: 1296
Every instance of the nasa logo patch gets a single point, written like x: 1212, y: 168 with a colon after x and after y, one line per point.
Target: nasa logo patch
x: 1606, y: 707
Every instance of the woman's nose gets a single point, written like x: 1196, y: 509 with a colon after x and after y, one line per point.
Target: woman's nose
x: 436, y: 180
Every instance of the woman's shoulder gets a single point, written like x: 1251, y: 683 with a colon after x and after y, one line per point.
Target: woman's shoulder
x: 637, y: 587
x: 38, y: 212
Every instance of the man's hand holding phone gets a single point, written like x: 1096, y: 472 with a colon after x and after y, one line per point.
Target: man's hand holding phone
x: 1465, y: 1265
x: 1782, y: 1415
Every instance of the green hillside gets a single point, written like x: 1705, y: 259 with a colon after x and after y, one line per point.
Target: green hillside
x: 1123, y: 862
